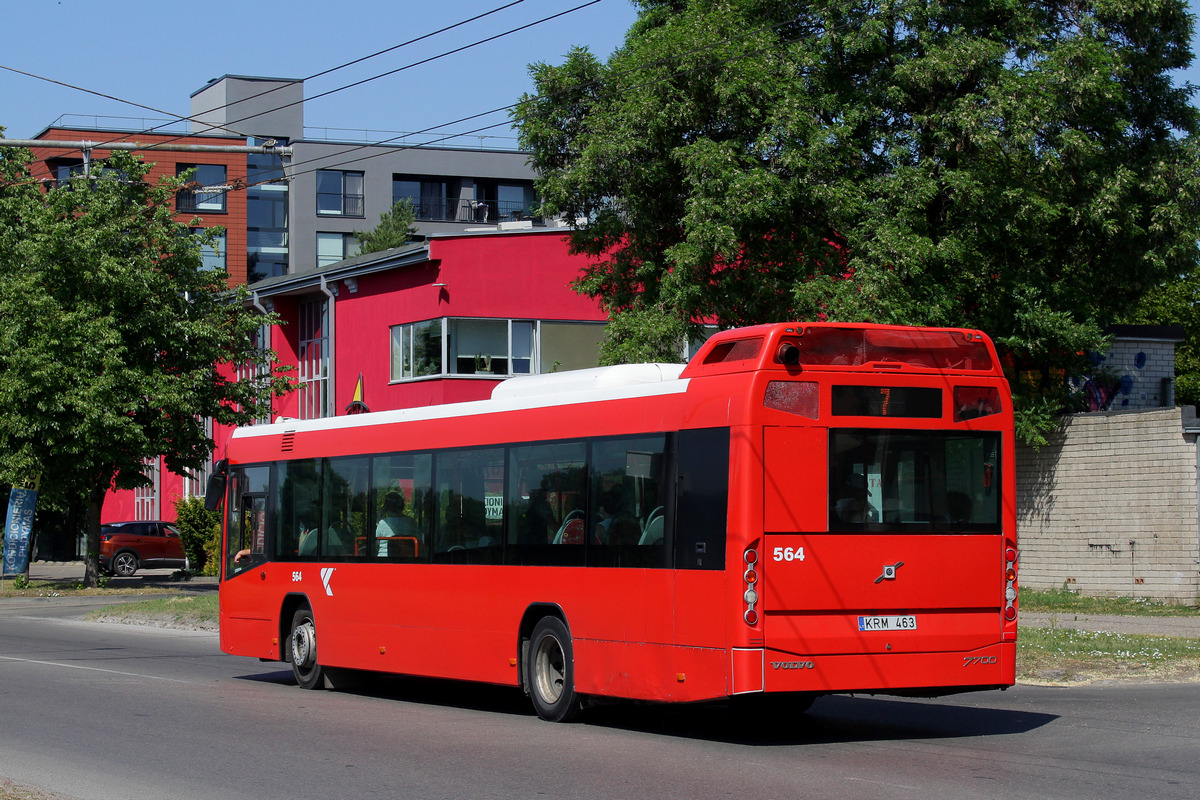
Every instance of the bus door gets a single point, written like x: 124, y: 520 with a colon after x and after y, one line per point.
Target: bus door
x: 880, y: 542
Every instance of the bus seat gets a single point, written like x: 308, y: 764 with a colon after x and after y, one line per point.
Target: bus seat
x: 572, y: 526
x: 653, y: 535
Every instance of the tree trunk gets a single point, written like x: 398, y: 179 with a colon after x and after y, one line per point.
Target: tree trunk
x: 91, y: 558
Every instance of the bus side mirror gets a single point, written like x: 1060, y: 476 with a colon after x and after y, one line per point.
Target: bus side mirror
x: 215, y: 491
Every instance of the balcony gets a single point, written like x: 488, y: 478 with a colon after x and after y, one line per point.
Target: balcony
x: 442, y: 209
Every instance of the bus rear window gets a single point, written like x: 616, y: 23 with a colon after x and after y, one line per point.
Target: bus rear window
x: 924, y: 349
x: 887, y: 481
x: 737, y: 350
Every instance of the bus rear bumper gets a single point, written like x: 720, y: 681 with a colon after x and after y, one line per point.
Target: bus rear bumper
x: 987, y: 667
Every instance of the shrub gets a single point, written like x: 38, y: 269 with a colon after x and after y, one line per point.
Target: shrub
x: 200, y: 530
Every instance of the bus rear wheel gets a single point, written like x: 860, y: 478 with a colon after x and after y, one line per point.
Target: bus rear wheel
x: 302, y: 644
x: 551, y: 671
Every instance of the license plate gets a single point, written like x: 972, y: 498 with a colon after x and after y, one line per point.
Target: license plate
x: 902, y: 623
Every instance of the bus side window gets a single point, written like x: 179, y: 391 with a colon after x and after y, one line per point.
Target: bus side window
x: 344, y: 506
x: 299, y: 513
x: 626, y: 527
x: 702, y: 500
x: 469, y: 524
x: 245, y: 543
x: 402, y: 508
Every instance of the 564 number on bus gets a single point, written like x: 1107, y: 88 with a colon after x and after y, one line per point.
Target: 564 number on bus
x: 788, y: 554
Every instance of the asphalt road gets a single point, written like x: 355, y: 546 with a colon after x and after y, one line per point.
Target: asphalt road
x: 96, y: 711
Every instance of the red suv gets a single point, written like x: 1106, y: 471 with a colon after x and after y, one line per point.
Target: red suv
x: 126, y: 547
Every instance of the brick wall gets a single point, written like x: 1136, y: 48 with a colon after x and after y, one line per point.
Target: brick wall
x: 1109, y: 507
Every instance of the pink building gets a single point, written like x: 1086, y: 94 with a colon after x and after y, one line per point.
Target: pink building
x: 441, y: 321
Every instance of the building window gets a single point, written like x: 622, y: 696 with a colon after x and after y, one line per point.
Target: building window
x: 333, y: 247
x: 503, y: 202
x: 260, y: 340
x: 492, y: 347
x: 430, y: 199
x: 209, y: 195
x: 313, y: 390
x: 569, y: 345
x: 416, y: 350
x: 64, y: 170
x: 212, y: 255
x: 513, y: 202
x: 145, y: 498
x: 339, y: 194
x: 266, y: 215
x: 195, y: 484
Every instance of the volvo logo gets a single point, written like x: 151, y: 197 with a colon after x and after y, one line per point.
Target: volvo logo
x: 889, y: 572
x: 792, y: 665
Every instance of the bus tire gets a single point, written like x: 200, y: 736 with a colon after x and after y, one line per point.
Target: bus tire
x: 551, y: 671
x: 302, y: 650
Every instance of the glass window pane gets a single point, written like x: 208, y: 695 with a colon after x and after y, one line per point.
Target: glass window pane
x: 427, y: 348
x: 627, y: 502
x: 400, y: 353
x: 569, y: 345
x: 547, y: 497
x: 522, y: 347
x: 401, y: 502
x: 479, y: 346
x: 298, y: 513
x: 329, y: 248
x: 470, y: 506
x: 345, y: 508
x: 913, y: 481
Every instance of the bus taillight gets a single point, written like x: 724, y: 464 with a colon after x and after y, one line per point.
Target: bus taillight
x: 751, y: 594
x: 1010, y: 589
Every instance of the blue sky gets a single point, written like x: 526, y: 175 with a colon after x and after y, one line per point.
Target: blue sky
x: 158, y: 52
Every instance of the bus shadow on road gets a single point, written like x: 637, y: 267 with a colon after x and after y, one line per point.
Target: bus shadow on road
x: 832, y: 719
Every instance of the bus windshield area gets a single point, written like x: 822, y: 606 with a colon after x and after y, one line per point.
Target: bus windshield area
x: 937, y: 481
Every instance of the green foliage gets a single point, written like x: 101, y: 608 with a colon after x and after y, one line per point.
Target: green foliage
x: 643, y: 335
x: 395, y: 228
x: 1026, y: 169
x: 112, y: 335
x: 200, y: 530
x: 20, y: 582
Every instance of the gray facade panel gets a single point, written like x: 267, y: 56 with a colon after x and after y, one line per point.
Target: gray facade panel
x: 462, y: 168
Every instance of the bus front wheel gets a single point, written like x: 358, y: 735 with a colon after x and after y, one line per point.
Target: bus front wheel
x: 303, y: 646
x: 551, y: 670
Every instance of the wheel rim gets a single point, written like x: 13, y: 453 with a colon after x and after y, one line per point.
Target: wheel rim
x: 125, y: 564
x: 550, y: 669
x: 304, y: 645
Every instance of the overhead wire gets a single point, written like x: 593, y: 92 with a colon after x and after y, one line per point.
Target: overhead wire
x: 293, y: 172
x: 509, y: 107
x: 226, y: 127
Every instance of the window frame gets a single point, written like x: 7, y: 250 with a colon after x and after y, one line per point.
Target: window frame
x: 356, y: 212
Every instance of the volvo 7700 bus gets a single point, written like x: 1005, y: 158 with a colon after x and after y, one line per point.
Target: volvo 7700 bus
x: 803, y: 509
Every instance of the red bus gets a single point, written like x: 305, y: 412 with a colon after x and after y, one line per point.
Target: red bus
x: 802, y: 509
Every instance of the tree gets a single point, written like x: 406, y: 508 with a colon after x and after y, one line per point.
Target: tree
x: 112, y: 335
x: 395, y: 228
x: 1024, y: 168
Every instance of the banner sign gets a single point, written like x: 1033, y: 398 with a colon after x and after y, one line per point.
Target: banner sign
x: 17, y: 530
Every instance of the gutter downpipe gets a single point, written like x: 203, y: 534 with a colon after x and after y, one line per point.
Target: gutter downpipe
x: 331, y: 360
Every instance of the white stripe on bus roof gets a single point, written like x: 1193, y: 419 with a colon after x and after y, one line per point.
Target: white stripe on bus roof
x: 452, y: 410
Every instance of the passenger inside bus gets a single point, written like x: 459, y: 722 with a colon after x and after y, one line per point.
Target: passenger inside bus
x: 393, y: 525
